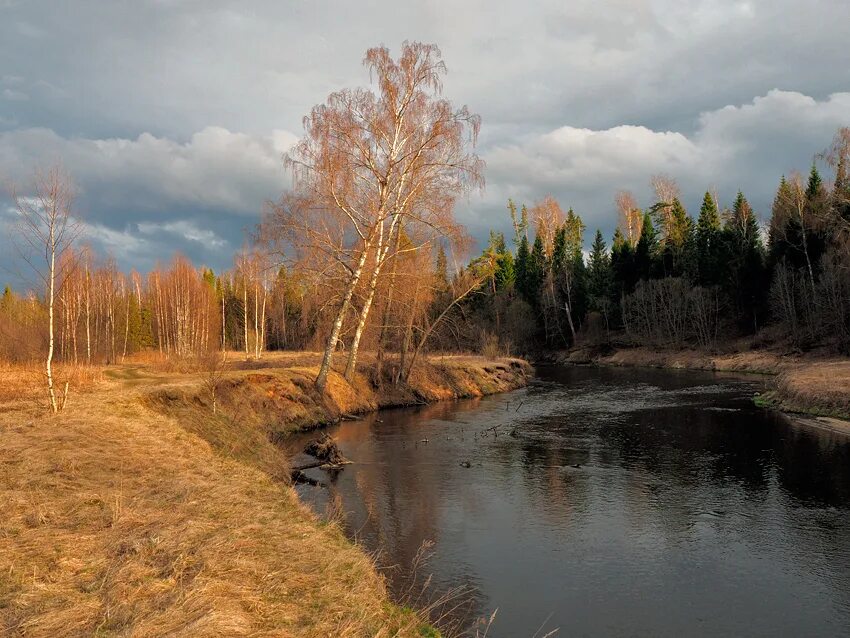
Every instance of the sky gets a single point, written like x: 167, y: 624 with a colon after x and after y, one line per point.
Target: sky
x: 172, y: 116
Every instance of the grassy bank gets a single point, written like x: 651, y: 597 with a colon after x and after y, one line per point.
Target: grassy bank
x: 139, y: 513
x: 812, y: 385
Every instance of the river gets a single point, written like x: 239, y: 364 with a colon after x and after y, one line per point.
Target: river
x: 606, y: 502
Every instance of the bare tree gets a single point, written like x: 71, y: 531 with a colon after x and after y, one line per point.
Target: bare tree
x: 666, y: 190
x: 213, y: 365
x: 631, y: 218
x: 369, y: 161
x: 547, y: 216
x: 48, y: 229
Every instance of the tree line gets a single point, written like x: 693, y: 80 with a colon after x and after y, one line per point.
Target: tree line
x: 669, y: 279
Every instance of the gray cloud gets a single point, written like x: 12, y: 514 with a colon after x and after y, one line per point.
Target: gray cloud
x: 172, y: 116
x: 745, y: 147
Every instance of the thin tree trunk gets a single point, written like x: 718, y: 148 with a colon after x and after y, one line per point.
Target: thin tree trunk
x: 245, y: 313
x: 51, y: 286
x: 256, y: 321
x: 380, y: 257
x: 88, y: 314
x: 263, y: 323
x: 330, y: 346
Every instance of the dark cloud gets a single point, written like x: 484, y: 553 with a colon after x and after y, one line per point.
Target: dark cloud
x: 172, y: 115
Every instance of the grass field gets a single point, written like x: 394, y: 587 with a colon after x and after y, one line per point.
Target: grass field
x: 137, y: 512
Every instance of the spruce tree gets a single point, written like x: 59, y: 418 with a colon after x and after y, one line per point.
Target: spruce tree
x: 745, y: 281
x: 646, y: 250
x: 522, y: 266
x: 505, y: 273
x: 441, y: 269
x: 599, y: 273
x: 536, y: 272
x: 707, y: 243
x: 622, y: 267
x: 817, y: 203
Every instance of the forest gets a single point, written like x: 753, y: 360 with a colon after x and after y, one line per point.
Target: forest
x: 666, y: 279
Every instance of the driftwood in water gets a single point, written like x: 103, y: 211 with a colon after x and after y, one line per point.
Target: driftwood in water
x: 326, y: 450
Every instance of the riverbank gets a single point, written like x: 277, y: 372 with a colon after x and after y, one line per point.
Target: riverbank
x: 140, y: 512
x: 812, y: 385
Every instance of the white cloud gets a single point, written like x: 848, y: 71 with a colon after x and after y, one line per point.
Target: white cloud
x: 736, y: 147
x: 185, y: 230
x: 121, y: 243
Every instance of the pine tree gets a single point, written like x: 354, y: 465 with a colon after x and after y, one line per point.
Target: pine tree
x: 599, y: 273
x: 505, y: 272
x: 745, y: 281
x: 537, y: 271
x: 707, y: 243
x: 441, y: 269
x: 522, y: 266
x: 784, y: 228
x: 817, y: 203
x: 814, y: 187
x: 646, y: 250
x: 623, y: 272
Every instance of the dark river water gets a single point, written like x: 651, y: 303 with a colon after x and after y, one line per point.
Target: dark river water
x: 607, y: 502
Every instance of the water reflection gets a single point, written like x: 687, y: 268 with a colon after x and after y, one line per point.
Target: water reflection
x: 620, y: 502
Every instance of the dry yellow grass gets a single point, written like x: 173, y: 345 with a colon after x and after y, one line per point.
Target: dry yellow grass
x: 138, y: 513
x: 25, y: 386
x: 818, y: 388
x: 758, y: 361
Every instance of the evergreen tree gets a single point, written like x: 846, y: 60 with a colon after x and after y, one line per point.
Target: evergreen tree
x: 841, y: 191
x: 646, y: 250
x: 624, y: 276
x: 677, y: 241
x: 817, y: 203
x: 208, y: 277
x: 505, y: 273
x: 784, y: 228
x: 536, y: 272
x: 441, y: 269
x: 707, y: 243
x: 599, y: 273
x: 522, y: 266
x: 814, y: 187
x: 746, y: 280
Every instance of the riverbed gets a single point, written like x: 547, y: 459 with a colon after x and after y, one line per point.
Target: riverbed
x: 605, y: 502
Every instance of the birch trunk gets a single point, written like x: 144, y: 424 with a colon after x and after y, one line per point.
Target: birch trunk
x: 330, y: 346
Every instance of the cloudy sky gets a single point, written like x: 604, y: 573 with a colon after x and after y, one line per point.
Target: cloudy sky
x: 172, y: 115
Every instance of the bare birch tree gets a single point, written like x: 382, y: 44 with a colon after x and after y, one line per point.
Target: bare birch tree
x: 48, y: 230
x: 630, y: 216
x: 372, y: 160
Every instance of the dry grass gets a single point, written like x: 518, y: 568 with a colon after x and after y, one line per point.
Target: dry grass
x: 757, y: 361
x: 138, y: 513
x: 24, y: 386
x: 817, y: 388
